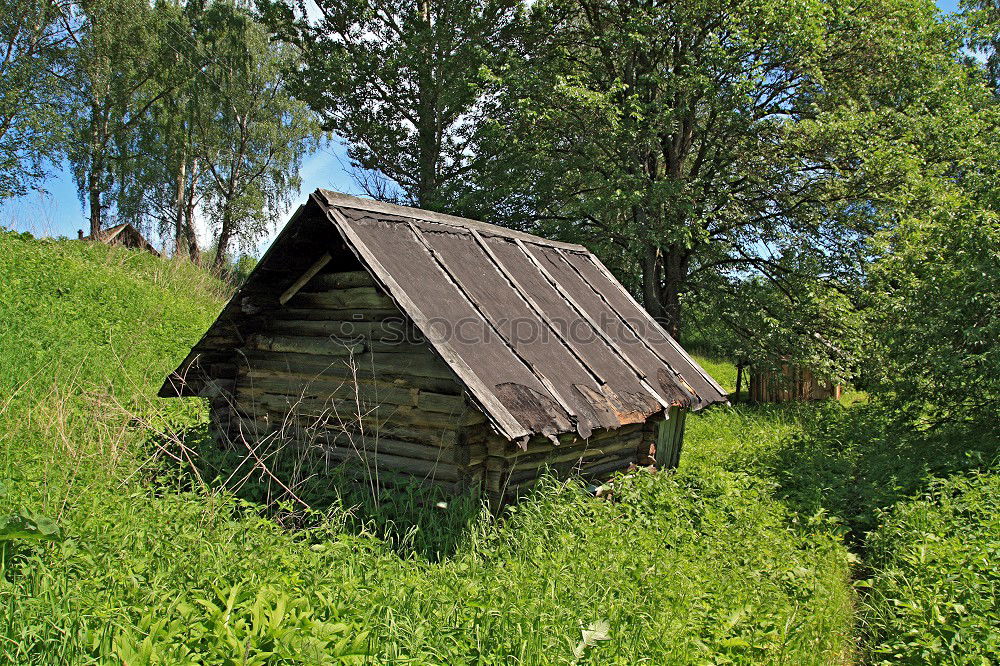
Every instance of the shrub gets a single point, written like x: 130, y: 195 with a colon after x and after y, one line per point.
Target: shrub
x: 935, y: 571
x: 935, y: 315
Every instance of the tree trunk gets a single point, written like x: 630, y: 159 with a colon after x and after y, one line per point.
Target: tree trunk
x: 651, y: 270
x: 94, y: 192
x: 739, y: 382
x: 96, y: 221
x: 675, y: 261
x: 664, y: 274
x: 180, y: 238
x: 192, y: 238
x: 95, y: 172
x: 225, y: 236
x: 428, y: 151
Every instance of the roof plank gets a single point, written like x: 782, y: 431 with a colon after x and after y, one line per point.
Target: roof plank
x: 398, y: 259
x: 589, y: 358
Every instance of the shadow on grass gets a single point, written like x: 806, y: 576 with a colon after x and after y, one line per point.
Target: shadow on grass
x: 851, y: 463
x: 300, y: 489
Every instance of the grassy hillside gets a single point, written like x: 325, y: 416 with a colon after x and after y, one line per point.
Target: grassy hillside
x: 126, y: 555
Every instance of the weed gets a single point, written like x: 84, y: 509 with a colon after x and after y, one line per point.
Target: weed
x: 165, y: 556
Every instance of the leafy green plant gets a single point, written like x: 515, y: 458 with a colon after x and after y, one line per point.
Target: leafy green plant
x: 24, y: 527
x: 233, y: 625
x: 935, y: 570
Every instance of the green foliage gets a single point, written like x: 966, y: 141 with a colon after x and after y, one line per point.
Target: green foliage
x: 852, y: 463
x: 120, y: 59
x: 28, y: 526
x: 267, y: 628
x: 404, y: 83
x: 935, y: 568
x: 253, y: 134
x: 982, y: 25
x: 24, y: 527
x: 935, y: 314
x: 765, y: 325
x: 157, y: 567
x: 33, y: 60
x: 693, y: 144
x: 918, y: 507
x: 181, y: 108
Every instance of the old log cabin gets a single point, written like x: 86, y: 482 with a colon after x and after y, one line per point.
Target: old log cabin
x: 449, y: 350
x: 791, y: 382
x: 123, y: 234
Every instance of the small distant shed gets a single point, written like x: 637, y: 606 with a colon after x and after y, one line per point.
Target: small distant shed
x: 790, y: 383
x: 443, y: 349
x: 125, y: 235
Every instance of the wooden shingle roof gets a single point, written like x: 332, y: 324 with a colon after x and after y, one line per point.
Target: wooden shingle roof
x: 543, y: 337
x: 123, y: 234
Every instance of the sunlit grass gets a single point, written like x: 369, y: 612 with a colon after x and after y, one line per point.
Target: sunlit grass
x: 738, y: 557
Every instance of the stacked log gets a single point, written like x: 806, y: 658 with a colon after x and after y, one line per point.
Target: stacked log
x: 341, y: 370
x: 511, y: 470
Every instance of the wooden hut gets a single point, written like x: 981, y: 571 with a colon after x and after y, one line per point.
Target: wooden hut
x: 791, y: 383
x: 445, y: 349
x: 125, y: 235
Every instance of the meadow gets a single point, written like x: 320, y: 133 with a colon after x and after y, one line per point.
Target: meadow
x: 798, y: 534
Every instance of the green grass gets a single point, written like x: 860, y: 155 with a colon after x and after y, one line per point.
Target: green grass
x: 128, y: 556
x: 935, y: 570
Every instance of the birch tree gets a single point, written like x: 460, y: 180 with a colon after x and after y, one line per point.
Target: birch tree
x: 34, y: 57
x: 254, y: 134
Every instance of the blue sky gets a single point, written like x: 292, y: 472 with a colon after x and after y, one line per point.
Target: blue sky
x: 58, y: 212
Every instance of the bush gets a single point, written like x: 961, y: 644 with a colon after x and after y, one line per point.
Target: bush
x: 935, y: 315
x: 935, y: 574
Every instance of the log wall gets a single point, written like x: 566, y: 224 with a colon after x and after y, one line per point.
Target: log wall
x: 791, y: 383
x: 512, y: 471
x: 340, y: 370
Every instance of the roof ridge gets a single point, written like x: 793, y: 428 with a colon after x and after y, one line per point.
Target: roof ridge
x: 341, y: 200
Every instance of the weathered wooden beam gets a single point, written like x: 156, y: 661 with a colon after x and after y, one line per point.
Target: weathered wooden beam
x: 344, y: 377
x: 310, y: 273
x: 342, y: 280
x: 326, y: 411
x: 389, y: 329
x: 299, y: 345
x: 309, y: 368
x: 355, y: 297
x: 366, y: 364
x: 305, y: 313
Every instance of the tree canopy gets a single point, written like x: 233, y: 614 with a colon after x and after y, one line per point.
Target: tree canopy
x: 34, y: 60
x: 780, y: 182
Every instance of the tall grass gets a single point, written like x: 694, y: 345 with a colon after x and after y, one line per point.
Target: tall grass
x: 155, y: 562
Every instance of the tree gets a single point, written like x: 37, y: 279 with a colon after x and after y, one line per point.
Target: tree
x: 403, y: 82
x: 982, y: 18
x: 935, y: 314
x: 689, y: 140
x: 932, y: 311
x: 118, y: 75
x: 34, y: 36
x: 200, y: 123
x: 166, y: 181
x: 253, y: 137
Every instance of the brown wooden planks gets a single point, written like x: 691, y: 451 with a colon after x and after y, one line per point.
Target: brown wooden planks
x: 513, y: 318
x: 460, y: 328
x: 617, y: 302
